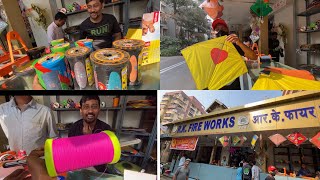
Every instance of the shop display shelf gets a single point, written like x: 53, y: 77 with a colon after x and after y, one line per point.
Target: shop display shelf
x: 75, y: 109
x: 310, y: 31
x: 106, y: 5
x: 135, y: 133
x: 129, y: 108
x: 310, y: 11
x: 313, y: 51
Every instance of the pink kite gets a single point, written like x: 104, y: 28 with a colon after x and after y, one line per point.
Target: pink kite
x: 277, y: 139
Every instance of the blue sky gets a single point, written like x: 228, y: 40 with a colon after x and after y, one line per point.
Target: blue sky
x: 229, y: 98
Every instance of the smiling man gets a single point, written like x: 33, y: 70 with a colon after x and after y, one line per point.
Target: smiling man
x: 89, y: 124
x: 102, y: 28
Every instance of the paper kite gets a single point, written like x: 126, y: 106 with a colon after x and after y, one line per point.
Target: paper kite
x: 254, y: 140
x: 235, y: 140
x: 261, y: 8
x: 296, y: 138
x: 212, y: 8
x: 224, y: 141
x: 277, y: 139
x: 316, y: 140
x: 278, y: 81
x: 242, y: 140
x: 214, y: 63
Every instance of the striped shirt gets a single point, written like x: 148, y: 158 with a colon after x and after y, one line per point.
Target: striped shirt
x: 27, y: 129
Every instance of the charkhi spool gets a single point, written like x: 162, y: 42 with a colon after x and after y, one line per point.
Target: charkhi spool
x: 110, y: 68
x: 69, y: 154
x: 134, y: 48
x: 81, y: 68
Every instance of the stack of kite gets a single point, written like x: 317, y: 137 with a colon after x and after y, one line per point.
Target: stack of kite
x: 284, y: 79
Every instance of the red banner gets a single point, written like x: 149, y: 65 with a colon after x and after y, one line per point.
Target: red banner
x: 186, y: 144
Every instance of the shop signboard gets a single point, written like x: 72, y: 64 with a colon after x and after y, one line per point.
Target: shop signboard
x: 291, y: 115
x: 185, y: 144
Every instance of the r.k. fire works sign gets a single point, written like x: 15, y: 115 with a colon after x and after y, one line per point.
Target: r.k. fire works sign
x: 289, y: 116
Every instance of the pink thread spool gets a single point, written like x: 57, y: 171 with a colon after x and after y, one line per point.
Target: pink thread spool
x: 68, y: 154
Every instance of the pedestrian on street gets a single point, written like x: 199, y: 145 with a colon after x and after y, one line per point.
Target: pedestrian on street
x: 239, y: 172
x: 255, y: 171
x: 247, y: 174
x: 182, y: 159
x: 272, y: 172
x: 183, y: 172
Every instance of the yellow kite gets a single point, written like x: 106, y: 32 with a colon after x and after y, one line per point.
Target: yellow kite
x: 214, y: 63
x: 276, y: 81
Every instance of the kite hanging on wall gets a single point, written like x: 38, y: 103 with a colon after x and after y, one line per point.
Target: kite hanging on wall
x: 214, y: 63
x: 213, y: 8
x: 224, y: 141
x: 254, y: 141
x: 277, y: 139
x: 242, y: 140
x: 235, y: 140
x: 296, y: 138
x: 316, y: 140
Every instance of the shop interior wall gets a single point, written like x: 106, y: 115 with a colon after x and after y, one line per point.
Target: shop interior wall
x: 16, y: 22
x: 39, y: 33
x: 285, y: 16
x: 131, y: 118
x: 137, y: 8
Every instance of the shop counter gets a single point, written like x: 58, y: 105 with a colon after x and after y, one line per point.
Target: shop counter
x: 247, y: 80
x: 91, y: 175
x: 150, y: 80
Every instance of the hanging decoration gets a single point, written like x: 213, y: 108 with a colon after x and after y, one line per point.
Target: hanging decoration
x: 41, y: 19
x: 242, y: 140
x: 235, y: 140
x: 261, y: 8
x: 296, y: 138
x: 255, y: 24
x: 254, y: 140
x: 213, y: 8
x: 277, y: 139
x: 316, y: 140
x: 224, y: 141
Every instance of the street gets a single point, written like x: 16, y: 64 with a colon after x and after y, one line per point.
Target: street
x: 165, y: 178
x: 175, y: 74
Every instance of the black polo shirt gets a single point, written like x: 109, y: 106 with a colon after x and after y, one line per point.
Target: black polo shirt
x: 77, y: 130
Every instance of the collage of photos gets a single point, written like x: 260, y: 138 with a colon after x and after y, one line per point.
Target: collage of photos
x: 159, y: 89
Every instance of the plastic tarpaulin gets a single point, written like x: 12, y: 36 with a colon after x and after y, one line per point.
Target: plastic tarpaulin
x: 276, y: 81
x: 214, y: 63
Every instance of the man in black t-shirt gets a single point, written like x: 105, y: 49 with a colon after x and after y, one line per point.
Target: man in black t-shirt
x: 89, y: 124
x: 246, y: 172
x: 102, y: 28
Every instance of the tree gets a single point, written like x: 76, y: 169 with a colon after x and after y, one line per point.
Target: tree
x: 189, y: 16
